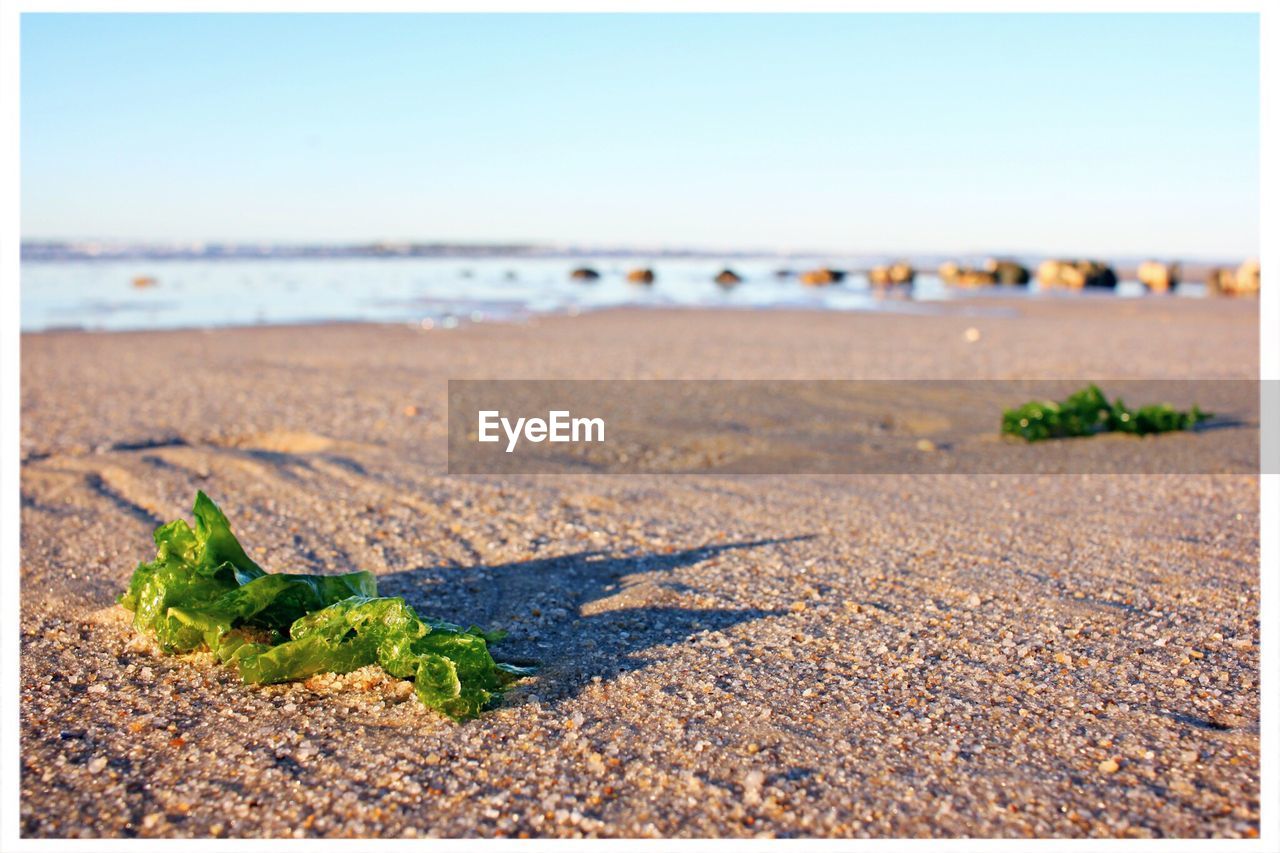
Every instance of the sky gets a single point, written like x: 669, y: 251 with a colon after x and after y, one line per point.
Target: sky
x: 1083, y: 134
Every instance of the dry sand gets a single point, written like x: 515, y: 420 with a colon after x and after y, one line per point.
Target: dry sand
x: 721, y: 655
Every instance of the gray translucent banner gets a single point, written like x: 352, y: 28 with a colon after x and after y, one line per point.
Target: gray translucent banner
x: 835, y: 427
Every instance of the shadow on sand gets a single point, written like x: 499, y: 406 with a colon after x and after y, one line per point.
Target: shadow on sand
x: 545, y: 604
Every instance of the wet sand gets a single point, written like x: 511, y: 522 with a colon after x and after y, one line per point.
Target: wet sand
x: 941, y: 655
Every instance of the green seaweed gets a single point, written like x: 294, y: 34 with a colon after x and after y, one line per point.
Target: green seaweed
x: 203, y: 592
x: 1088, y: 412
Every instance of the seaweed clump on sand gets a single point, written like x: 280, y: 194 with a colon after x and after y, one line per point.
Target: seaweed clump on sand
x: 1089, y: 412
x: 203, y: 592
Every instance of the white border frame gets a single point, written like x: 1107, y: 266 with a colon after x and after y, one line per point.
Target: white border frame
x: 10, y: 553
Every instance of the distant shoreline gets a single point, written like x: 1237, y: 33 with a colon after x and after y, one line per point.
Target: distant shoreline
x: 123, y: 294
x: 977, y: 306
x: 46, y: 251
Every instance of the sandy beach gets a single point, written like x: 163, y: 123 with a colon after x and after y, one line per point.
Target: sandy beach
x: 719, y: 655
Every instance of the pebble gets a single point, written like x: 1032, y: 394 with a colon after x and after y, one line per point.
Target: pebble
x: 752, y: 784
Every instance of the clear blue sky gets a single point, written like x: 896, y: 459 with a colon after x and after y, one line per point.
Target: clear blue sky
x: 1094, y: 134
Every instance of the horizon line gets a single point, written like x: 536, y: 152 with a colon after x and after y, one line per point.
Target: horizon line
x: 52, y: 249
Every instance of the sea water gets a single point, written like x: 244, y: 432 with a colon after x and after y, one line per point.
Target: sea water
x: 102, y: 294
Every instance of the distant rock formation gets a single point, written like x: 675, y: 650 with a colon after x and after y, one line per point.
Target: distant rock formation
x: 993, y: 271
x: 641, y: 275
x: 955, y: 275
x: 891, y: 275
x: 1245, y: 280
x: 821, y: 277
x: 1249, y: 277
x: 1075, y: 274
x: 584, y: 274
x: 728, y: 278
x: 1221, y: 280
x: 1008, y: 272
x: 1159, y: 277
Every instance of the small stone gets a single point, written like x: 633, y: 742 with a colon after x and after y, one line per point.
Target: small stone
x: 152, y: 820
x: 1062, y: 658
x: 97, y: 765
x: 973, y: 600
x: 924, y: 445
x: 751, y: 785
x: 97, y: 688
x: 1110, y: 765
x: 972, y: 335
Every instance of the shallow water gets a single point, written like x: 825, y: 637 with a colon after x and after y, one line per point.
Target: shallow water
x: 101, y: 294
